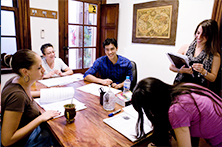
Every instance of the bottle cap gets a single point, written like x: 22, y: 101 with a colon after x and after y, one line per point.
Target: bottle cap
x: 127, y: 77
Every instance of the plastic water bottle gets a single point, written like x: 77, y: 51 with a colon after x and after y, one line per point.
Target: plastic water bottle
x: 126, y: 86
x: 109, y: 100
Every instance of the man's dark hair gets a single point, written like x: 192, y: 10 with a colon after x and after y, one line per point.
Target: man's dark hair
x: 109, y: 41
x: 44, y: 46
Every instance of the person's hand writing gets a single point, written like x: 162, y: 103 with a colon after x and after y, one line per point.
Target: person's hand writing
x: 186, y: 70
x: 49, y: 114
x: 116, y: 86
x: 198, y: 67
x: 49, y: 74
x: 106, y: 82
x: 58, y: 72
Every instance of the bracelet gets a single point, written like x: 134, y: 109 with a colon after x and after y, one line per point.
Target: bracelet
x: 205, y: 74
x: 178, y: 70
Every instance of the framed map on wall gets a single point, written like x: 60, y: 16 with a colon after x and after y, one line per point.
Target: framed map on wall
x: 155, y: 22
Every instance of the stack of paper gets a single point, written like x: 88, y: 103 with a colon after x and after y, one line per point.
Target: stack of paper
x: 125, y: 123
x: 94, y: 89
x: 59, y: 81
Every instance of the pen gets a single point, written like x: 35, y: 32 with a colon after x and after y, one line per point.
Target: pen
x: 113, y: 113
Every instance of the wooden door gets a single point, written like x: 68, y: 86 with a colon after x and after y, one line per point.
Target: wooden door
x: 109, y: 23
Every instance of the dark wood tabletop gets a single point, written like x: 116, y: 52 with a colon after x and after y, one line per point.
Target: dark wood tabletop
x: 88, y: 129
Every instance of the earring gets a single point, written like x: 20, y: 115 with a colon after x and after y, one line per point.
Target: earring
x: 26, y: 79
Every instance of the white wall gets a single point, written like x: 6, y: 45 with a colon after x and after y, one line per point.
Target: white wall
x: 151, y: 59
x: 50, y: 26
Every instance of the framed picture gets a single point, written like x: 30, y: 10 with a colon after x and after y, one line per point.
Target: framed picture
x: 155, y: 22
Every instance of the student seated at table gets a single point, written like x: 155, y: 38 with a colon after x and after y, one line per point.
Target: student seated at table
x: 53, y: 66
x: 182, y: 110
x: 22, y: 123
x: 112, y: 68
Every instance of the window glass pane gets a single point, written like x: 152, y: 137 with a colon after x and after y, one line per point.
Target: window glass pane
x: 75, y: 12
x: 89, y: 57
x: 7, y: 3
x: 90, y: 13
x: 75, y: 58
x: 75, y: 36
x: 89, y: 36
x: 7, y: 23
x: 8, y: 45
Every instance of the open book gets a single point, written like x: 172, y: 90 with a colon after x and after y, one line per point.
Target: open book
x: 56, y: 98
x: 125, y: 123
x: 178, y: 60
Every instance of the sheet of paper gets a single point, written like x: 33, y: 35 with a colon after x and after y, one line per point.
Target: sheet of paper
x: 125, y: 123
x: 93, y: 88
x: 59, y: 105
x: 59, y: 81
x: 49, y: 95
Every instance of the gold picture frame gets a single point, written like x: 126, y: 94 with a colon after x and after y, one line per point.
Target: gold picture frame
x: 155, y: 22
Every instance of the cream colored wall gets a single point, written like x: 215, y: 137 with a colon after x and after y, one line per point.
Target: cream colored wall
x: 50, y: 26
x: 151, y: 59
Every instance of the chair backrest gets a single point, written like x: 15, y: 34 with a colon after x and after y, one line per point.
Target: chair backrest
x: 134, y: 72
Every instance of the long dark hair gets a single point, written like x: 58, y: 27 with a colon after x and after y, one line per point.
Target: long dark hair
x: 210, y: 31
x: 155, y: 97
x: 23, y: 58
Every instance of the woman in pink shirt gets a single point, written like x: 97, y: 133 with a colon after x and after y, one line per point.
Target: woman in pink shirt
x: 182, y: 110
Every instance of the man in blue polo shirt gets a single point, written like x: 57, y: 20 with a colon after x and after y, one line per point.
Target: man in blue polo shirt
x: 112, y: 68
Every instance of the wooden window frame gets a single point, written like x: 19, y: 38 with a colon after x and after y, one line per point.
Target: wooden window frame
x: 22, y: 26
x: 63, y: 33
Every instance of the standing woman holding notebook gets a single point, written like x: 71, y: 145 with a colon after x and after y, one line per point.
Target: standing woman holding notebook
x: 203, y: 54
x: 22, y: 123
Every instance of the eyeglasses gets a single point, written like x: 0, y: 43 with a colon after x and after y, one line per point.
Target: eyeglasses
x: 52, y: 52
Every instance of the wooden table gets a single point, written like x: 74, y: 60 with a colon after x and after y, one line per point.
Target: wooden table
x: 88, y: 128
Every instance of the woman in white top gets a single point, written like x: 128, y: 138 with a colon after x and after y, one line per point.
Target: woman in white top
x: 53, y: 66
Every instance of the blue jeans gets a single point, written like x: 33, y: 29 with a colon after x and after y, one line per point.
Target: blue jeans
x: 39, y: 138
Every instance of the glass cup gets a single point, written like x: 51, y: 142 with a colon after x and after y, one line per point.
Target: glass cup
x: 70, y: 112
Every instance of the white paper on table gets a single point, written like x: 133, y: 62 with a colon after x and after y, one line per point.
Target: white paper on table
x: 59, y: 81
x: 125, y: 123
x: 59, y: 106
x: 93, y: 88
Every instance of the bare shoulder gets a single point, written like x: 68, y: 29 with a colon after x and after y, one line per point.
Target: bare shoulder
x: 183, y: 49
x: 217, y: 55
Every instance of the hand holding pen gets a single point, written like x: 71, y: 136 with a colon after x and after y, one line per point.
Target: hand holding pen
x: 183, y: 69
x: 116, y: 85
x: 106, y: 82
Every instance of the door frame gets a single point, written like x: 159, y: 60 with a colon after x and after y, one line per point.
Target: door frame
x: 63, y: 29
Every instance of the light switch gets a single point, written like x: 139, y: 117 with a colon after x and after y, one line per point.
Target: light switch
x: 42, y: 34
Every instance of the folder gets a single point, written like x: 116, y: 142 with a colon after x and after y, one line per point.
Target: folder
x: 178, y: 60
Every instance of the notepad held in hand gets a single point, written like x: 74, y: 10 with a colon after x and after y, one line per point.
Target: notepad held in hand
x: 178, y: 60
